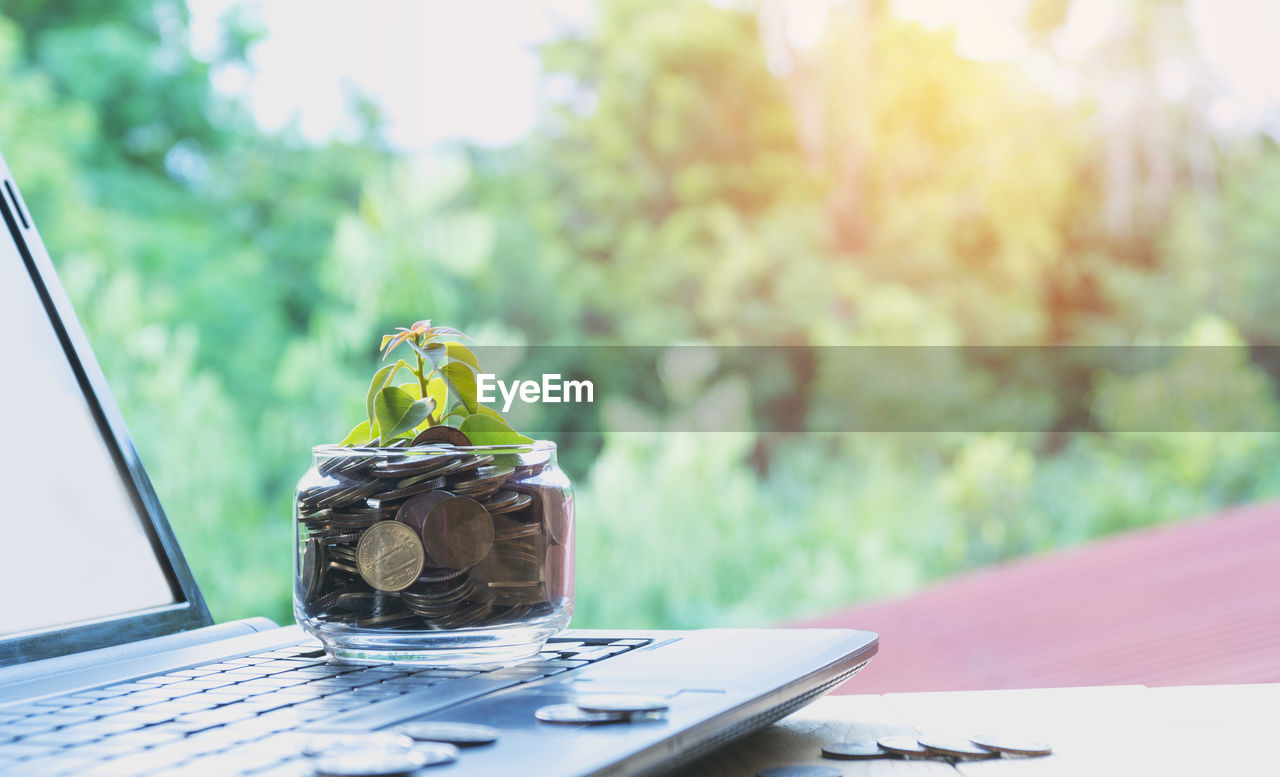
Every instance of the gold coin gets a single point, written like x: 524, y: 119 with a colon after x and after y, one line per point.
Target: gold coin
x: 458, y: 532
x: 389, y: 556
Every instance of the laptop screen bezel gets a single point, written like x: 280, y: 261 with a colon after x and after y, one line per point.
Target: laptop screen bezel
x: 189, y: 610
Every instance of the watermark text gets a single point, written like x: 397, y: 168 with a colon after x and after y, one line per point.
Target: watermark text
x: 550, y: 390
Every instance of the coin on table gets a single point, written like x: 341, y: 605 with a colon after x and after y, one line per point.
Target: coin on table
x: 374, y: 762
x: 389, y: 556
x: 1011, y: 745
x: 622, y: 702
x: 904, y: 746
x: 458, y: 532
x: 444, y: 433
x: 572, y: 713
x: 799, y: 771
x: 855, y: 751
x: 956, y: 748
x: 460, y: 734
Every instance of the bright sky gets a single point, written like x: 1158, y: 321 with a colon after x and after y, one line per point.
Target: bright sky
x: 440, y: 70
x: 446, y: 70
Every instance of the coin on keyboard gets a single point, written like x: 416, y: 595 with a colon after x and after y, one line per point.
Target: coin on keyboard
x: 389, y: 556
x: 619, y: 702
x: 370, y: 762
x: 904, y: 746
x: 572, y: 713
x: 321, y: 743
x: 1011, y: 745
x: 799, y: 771
x: 461, y: 734
x: 855, y: 751
x: 956, y: 748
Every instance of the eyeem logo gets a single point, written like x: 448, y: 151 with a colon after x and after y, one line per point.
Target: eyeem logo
x: 550, y: 391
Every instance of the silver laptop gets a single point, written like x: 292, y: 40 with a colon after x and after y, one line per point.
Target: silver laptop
x: 110, y: 663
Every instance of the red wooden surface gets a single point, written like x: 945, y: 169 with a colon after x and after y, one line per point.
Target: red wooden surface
x: 1191, y: 603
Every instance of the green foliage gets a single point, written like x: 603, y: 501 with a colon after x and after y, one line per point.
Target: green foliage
x: 681, y: 187
x: 445, y: 368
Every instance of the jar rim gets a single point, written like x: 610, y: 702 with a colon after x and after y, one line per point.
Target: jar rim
x: 331, y: 450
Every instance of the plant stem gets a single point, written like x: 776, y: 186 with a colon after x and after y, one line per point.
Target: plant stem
x: 422, y: 386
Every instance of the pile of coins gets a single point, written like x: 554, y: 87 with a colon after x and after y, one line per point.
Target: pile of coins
x: 431, y: 537
x: 981, y: 747
x: 977, y: 748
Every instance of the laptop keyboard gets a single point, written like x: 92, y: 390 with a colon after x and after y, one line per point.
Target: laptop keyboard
x: 240, y: 716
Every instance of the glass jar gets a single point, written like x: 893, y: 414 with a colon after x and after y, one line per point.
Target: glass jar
x: 434, y: 554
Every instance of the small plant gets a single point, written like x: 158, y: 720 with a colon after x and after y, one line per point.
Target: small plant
x: 443, y: 392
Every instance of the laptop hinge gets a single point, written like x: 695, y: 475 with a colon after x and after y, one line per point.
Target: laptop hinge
x: 110, y: 662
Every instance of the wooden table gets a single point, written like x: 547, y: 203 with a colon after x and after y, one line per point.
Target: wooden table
x: 1112, y: 730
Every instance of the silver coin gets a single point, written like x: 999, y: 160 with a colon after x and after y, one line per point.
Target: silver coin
x: 799, y: 771
x: 903, y: 745
x: 956, y: 748
x: 321, y: 743
x: 572, y: 713
x: 855, y: 751
x: 619, y: 702
x: 461, y: 734
x: 1011, y: 745
x: 369, y: 762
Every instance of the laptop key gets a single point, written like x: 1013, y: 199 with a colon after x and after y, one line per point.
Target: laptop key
x: 184, y: 705
x: 114, y: 704
x: 62, y: 765
x: 321, y: 670
x: 146, y: 737
x: 143, y: 717
x: 14, y: 731
x: 67, y: 717
x: 194, y: 671
x: 128, y: 687
x: 84, y: 732
x: 139, y: 763
x: 23, y: 750
x: 201, y: 721
x: 56, y: 702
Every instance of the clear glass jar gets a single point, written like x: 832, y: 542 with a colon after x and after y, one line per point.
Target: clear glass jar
x: 433, y: 554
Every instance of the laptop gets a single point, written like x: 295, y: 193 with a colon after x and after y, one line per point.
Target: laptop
x: 111, y: 665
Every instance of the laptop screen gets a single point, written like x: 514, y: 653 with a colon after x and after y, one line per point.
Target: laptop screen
x: 76, y: 544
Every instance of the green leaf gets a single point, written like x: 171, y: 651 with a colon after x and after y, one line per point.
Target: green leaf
x: 434, y: 353
x: 438, y: 391
x: 360, y: 435
x: 398, y: 412
x: 462, y: 382
x: 442, y: 331
x: 486, y: 410
x: 381, y: 379
x: 412, y: 389
x: 461, y: 353
x: 487, y: 430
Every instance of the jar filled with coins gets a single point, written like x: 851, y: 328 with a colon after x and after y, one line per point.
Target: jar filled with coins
x: 434, y: 553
